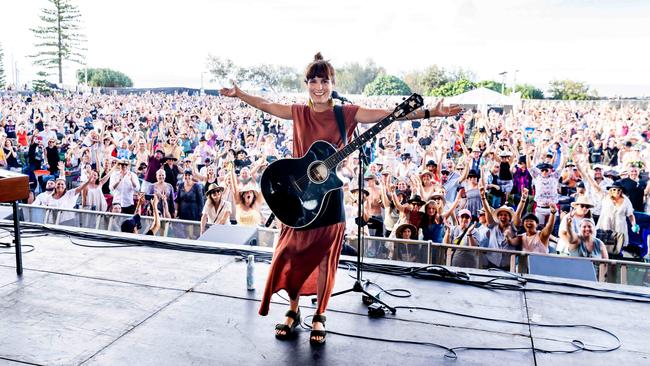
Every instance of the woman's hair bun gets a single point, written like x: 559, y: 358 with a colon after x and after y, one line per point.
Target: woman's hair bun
x: 318, y: 57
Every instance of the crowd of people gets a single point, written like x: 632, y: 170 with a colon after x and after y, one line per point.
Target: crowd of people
x: 511, y: 180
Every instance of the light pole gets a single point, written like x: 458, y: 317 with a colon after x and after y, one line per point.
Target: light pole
x: 503, y: 81
x: 202, y: 90
x: 514, y: 81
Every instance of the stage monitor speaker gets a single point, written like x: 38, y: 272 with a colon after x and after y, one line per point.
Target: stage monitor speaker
x: 561, y: 267
x: 230, y: 234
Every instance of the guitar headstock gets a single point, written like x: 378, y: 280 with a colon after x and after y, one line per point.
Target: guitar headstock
x: 412, y: 103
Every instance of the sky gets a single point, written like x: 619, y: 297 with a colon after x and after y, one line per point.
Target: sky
x: 166, y: 43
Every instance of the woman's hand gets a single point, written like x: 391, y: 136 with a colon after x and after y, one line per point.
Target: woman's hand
x: 444, y: 111
x: 230, y: 92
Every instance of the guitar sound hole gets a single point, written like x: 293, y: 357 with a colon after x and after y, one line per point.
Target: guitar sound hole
x: 318, y: 172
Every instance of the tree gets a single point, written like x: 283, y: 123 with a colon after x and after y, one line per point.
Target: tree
x: 222, y: 70
x: 40, y: 84
x: 387, y: 85
x: 571, y: 90
x: 59, y: 37
x: 276, y: 78
x: 352, y: 78
x: 2, y: 69
x: 529, y: 92
x: 453, y: 88
x: 423, y: 81
x: 105, y: 78
x: 493, y: 85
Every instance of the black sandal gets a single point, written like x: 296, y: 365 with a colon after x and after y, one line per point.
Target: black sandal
x: 318, y: 333
x: 289, y: 330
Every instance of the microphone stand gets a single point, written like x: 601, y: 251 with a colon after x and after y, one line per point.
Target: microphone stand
x: 358, y: 283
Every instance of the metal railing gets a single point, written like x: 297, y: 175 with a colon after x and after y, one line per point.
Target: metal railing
x: 627, y: 272
x: 415, y: 251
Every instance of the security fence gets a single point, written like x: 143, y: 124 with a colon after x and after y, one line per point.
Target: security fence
x: 631, y: 272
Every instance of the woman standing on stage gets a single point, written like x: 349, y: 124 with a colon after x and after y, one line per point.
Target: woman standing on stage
x: 305, y: 260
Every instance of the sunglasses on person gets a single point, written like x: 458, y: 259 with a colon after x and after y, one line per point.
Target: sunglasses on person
x: 584, y: 206
x: 543, y: 170
x: 615, y: 189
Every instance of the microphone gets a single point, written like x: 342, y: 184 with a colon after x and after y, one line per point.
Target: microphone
x: 335, y: 95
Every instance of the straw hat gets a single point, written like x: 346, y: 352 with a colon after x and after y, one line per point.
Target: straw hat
x: 251, y: 187
x: 582, y: 200
x: 354, y: 187
x: 506, y: 209
x: 214, y: 187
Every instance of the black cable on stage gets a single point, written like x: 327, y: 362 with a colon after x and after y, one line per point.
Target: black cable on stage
x: 432, y: 272
x: 452, y: 352
x: 3, y: 250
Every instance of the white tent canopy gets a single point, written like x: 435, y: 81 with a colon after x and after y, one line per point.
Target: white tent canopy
x: 481, y: 97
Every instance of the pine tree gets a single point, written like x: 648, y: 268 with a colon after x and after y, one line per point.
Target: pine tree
x: 40, y: 84
x: 2, y: 69
x: 59, y: 39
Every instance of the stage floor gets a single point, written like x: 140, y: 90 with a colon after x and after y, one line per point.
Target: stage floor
x: 144, y: 306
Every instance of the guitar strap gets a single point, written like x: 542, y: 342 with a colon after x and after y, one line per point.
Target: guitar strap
x: 340, y: 121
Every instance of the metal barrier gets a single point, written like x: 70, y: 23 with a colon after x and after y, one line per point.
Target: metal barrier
x: 427, y: 252
x: 415, y: 251
x: 171, y: 228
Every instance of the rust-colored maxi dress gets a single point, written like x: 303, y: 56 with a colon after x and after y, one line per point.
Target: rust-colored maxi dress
x: 301, y: 254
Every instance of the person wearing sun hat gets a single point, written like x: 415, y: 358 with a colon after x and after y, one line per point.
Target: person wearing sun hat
x: 464, y: 234
x: 406, y: 252
x: 636, y: 189
x: 500, y: 232
x: 216, y: 209
x: 425, y: 185
x: 595, y: 186
x: 580, y: 210
x: 410, y: 210
x: 533, y: 240
x: 616, y: 211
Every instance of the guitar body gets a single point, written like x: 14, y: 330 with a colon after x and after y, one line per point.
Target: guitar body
x: 299, y: 190
x: 295, y: 188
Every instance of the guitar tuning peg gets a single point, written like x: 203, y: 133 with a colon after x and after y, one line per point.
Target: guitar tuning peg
x: 396, y: 103
x: 403, y: 98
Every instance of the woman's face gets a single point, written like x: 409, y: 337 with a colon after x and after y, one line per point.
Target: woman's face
x: 406, y: 233
x: 248, y: 196
x: 401, y: 185
x: 582, y: 210
x: 615, y: 192
x: 465, y: 220
x: 320, y: 89
x: 634, y: 173
x: 93, y: 176
x: 59, y: 186
x: 504, y: 218
x: 160, y: 176
x: 587, y: 229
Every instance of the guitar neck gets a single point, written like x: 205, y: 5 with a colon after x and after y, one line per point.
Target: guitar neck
x: 355, y: 144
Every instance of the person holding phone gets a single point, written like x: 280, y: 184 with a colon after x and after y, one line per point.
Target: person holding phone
x: 463, y: 234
